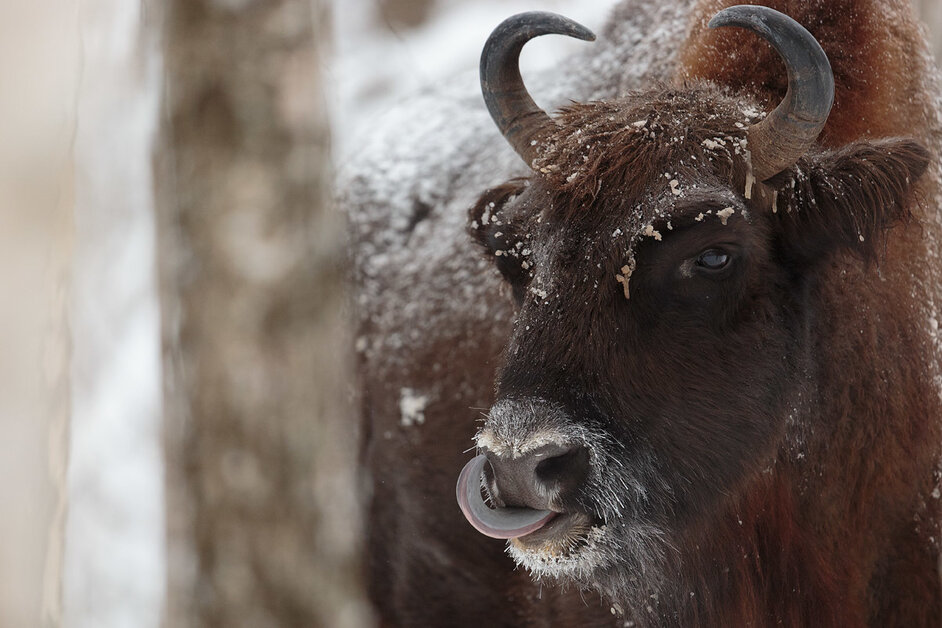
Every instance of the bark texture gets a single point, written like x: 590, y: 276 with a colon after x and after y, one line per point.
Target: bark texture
x: 263, y: 526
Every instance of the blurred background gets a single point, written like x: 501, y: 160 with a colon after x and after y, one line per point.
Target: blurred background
x: 175, y: 439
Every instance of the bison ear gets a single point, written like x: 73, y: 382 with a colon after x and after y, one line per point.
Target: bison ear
x: 846, y: 199
x: 498, y: 229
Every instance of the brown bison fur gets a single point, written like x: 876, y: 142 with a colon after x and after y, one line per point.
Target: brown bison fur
x: 767, y: 438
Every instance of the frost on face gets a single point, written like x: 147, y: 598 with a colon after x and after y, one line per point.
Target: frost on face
x: 411, y: 407
x: 651, y: 232
x: 751, y: 112
x: 750, y: 178
x: 625, y: 275
x: 724, y: 214
x: 714, y: 144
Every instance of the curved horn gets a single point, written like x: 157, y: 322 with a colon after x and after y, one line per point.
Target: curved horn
x: 516, y: 115
x: 784, y: 135
x: 499, y: 523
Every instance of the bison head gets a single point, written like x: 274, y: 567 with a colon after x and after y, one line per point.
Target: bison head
x: 664, y: 256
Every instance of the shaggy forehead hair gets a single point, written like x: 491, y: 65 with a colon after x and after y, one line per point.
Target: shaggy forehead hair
x: 646, y: 144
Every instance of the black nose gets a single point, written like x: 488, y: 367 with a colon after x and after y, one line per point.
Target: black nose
x: 542, y: 479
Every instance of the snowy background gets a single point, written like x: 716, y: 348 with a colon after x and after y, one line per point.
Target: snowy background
x: 87, y: 110
x: 379, y: 60
x: 114, y: 562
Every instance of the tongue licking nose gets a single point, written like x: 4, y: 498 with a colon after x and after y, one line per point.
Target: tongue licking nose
x: 499, y: 523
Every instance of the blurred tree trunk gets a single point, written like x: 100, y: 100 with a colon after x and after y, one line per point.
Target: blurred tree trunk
x: 263, y: 524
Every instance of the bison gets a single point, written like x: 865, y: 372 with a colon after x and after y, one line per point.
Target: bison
x: 713, y: 330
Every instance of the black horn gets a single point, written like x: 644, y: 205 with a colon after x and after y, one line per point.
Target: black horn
x: 784, y: 135
x: 517, y: 116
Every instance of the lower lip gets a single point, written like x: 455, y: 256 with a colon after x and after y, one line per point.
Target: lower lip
x: 552, y: 531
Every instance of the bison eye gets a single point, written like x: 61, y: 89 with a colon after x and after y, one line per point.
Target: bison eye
x: 713, y: 259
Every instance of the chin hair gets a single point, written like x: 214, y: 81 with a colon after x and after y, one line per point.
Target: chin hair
x: 619, y: 562
x: 577, y: 561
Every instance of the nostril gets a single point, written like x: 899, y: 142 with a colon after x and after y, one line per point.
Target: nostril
x: 537, y: 479
x: 569, y: 467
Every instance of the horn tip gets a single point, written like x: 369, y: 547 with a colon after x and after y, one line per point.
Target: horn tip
x: 574, y: 29
x: 717, y: 21
x: 742, y: 14
x: 585, y: 34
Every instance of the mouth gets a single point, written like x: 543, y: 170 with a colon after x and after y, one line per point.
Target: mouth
x: 541, y: 531
x: 558, y: 545
x: 563, y: 535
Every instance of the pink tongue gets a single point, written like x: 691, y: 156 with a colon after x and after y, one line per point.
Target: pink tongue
x: 499, y: 523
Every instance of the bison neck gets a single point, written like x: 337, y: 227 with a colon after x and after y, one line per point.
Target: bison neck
x: 762, y: 563
x: 766, y: 561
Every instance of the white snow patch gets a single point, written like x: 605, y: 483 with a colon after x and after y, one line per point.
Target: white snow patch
x: 750, y: 112
x: 724, y: 214
x: 651, y: 232
x: 625, y: 275
x: 412, y: 407
x: 750, y: 178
